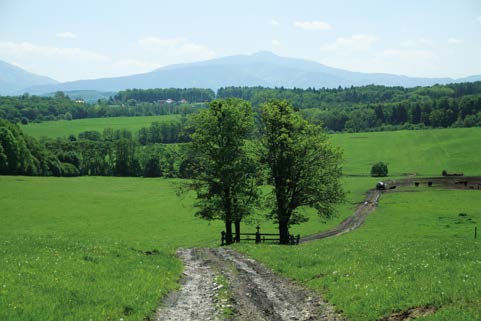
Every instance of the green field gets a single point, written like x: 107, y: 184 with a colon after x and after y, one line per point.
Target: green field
x: 63, y: 128
x: 74, y: 248
x: 425, y: 152
x: 414, y: 250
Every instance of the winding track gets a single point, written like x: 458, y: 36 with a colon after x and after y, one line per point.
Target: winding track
x: 256, y: 293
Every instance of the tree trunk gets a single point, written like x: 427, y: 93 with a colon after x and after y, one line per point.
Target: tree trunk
x: 228, y: 215
x: 237, y: 231
x: 284, y: 232
x: 228, y: 232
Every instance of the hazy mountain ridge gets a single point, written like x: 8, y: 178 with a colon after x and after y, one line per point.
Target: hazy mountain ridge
x: 259, y: 69
x: 13, y: 79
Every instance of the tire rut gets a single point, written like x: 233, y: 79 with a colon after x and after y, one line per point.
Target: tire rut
x: 256, y: 292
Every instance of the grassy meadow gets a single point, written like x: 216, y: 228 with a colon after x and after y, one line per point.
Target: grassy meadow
x: 103, y: 248
x: 414, y: 250
x: 74, y: 248
x: 424, y: 152
x: 63, y: 128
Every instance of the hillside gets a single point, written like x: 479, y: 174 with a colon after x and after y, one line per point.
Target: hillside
x: 13, y: 80
x: 259, y: 69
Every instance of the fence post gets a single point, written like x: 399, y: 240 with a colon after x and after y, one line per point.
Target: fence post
x: 222, y: 238
x: 258, y: 234
x: 298, y: 238
x: 475, y: 232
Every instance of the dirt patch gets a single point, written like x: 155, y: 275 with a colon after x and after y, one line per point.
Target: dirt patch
x: 195, y: 301
x: 411, y: 314
x: 256, y: 292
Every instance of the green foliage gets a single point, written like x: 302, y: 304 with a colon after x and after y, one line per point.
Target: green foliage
x: 379, y: 170
x: 304, y: 167
x: 23, y: 155
x: 374, y: 108
x: 153, y: 95
x: 224, y: 173
x: 61, y: 107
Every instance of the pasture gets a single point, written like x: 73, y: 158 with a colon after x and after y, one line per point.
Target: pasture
x: 103, y: 248
x: 414, y: 250
x: 63, y: 128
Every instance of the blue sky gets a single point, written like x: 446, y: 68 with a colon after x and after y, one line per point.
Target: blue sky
x: 69, y: 40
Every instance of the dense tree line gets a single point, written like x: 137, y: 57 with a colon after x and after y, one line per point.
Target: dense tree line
x: 110, y: 153
x: 351, y: 109
x: 23, y: 155
x: 376, y: 107
x: 27, y: 108
x: 194, y: 95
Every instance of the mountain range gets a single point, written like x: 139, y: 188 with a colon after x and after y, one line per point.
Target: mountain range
x: 259, y: 69
x: 15, y: 80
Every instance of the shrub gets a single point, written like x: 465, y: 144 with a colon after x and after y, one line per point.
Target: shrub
x: 379, y: 170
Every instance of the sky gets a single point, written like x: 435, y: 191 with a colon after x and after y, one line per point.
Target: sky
x: 71, y: 40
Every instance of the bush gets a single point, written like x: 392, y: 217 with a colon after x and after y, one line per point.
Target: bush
x: 69, y: 170
x: 379, y: 170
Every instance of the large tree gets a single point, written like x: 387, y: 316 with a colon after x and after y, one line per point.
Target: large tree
x: 304, y: 168
x: 224, y: 178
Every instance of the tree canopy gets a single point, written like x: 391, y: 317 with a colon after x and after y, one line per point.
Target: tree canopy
x: 224, y: 173
x: 304, y: 168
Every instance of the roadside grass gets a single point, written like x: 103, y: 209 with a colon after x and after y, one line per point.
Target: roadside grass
x: 63, y: 128
x: 414, y: 250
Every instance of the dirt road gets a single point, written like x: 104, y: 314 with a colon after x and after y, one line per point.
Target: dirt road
x: 254, y: 292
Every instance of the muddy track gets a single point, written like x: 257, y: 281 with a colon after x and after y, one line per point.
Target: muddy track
x: 255, y: 292
x: 372, y: 198
x: 353, y: 221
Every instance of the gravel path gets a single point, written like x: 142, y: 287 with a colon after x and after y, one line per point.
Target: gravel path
x: 195, y: 301
x: 256, y: 293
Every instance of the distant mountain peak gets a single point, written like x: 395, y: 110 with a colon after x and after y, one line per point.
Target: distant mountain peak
x: 262, y: 68
x: 13, y: 79
x: 268, y: 54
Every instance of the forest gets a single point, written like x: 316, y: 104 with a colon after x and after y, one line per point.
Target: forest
x: 353, y: 109
x: 160, y: 150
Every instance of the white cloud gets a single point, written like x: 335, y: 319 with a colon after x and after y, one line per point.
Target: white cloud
x: 358, y: 42
x: 136, y: 65
x: 66, y: 64
x: 409, y: 54
x: 312, y: 25
x: 454, y: 40
x: 412, y: 43
x: 274, y: 23
x: 275, y: 43
x: 25, y: 49
x: 479, y: 18
x: 179, y: 47
x: 66, y: 35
